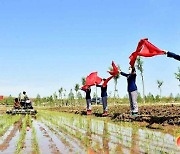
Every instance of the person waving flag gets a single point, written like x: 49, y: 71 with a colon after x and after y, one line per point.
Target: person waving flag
x: 91, y: 80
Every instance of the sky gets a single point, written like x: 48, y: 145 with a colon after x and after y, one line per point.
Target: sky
x: 48, y: 44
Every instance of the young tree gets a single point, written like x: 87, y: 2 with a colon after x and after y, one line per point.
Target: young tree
x: 79, y: 95
x: 55, y: 96
x: 76, y: 88
x: 115, y: 81
x: 9, y: 100
x: 64, y: 101
x: 159, y: 83
x: 64, y: 93
x: 71, y: 96
x: 60, y: 93
x: 177, y: 75
x: 83, y: 80
x: 139, y: 66
x: 38, y: 99
x: 50, y: 100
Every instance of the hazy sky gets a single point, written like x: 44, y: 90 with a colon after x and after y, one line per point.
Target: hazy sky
x: 48, y: 44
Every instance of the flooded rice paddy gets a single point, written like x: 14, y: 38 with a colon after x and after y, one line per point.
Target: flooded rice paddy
x: 55, y: 132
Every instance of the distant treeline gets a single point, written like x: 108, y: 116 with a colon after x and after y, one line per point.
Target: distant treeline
x: 80, y: 101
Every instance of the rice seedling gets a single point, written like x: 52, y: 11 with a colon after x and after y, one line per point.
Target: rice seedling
x: 6, y: 121
x: 20, y: 143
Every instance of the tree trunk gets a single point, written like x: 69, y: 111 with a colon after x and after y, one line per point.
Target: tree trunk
x: 143, y: 88
x: 96, y: 95
x: 160, y: 92
x: 115, y: 92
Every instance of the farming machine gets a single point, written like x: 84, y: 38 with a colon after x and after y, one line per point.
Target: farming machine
x: 24, y: 108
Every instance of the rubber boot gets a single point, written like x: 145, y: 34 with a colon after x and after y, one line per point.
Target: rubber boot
x: 89, y: 112
x: 105, y: 114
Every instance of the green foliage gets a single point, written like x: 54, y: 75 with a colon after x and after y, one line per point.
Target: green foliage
x: 71, y: 94
x: 139, y: 64
x: 150, y: 98
x: 76, y: 88
x: 139, y: 99
x: 83, y: 80
x: 79, y: 95
x: 177, y: 98
x: 38, y: 100
x: 177, y: 75
x: 157, y: 98
x: 55, y: 96
x: 160, y: 83
x: 8, y: 101
x: 60, y: 92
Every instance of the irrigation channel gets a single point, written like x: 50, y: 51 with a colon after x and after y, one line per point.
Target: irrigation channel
x: 55, y: 132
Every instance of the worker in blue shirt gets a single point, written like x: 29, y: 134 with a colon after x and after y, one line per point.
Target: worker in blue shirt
x: 104, y: 95
x: 88, y: 99
x: 132, y: 90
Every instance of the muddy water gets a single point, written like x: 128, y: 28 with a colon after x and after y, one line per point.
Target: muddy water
x: 6, y: 134
x: 10, y: 139
x: 45, y: 141
x: 67, y: 142
x: 12, y: 144
x: 101, y: 136
x: 28, y: 142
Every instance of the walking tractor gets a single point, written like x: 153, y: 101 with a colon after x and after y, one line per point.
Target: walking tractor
x: 24, y: 107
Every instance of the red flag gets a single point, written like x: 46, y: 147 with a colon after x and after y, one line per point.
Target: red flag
x: 98, y: 80
x: 115, y: 70
x: 93, y: 79
x: 84, y: 87
x: 145, y: 49
x: 107, y: 80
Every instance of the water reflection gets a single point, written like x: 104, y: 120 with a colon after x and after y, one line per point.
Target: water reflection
x: 104, y: 137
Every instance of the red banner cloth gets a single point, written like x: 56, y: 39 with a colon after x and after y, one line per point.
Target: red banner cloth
x: 84, y: 87
x: 115, y: 70
x: 106, y: 81
x: 91, y: 79
x: 145, y: 49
